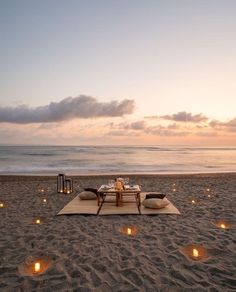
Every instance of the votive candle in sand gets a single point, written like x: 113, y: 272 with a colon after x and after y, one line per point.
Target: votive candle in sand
x: 222, y: 225
x: 195, y: 253
x: 129, y: 231
x: 37, y: 221
x: 37, y: 267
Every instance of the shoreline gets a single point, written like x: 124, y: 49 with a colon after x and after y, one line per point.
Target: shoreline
x: 4, y: 174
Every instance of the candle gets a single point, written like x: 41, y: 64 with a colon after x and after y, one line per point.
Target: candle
x: 37, y: 267
x: 195, y: 253
x: 1, y: 205
x: 174, y: 190
x: 208, y: 190
x: 37, y: 221
x: 193, y: 201
x: 129, y: 231
x: 118, y: 185
x: 45, y: 200
x: 222, y: 225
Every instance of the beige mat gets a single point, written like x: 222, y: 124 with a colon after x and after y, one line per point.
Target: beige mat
x: 77, y: 206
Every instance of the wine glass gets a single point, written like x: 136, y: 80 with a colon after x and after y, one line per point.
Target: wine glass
x: 126, y: 180
x: 111, y: 183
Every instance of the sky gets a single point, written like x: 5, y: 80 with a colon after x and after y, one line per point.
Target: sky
x: 127, y: 72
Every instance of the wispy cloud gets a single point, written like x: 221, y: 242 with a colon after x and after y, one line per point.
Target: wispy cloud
x: 69, y: 108
x: 141, y: 127
x: 224, y: 126
x: 138, y: 125
x: 185, y: 117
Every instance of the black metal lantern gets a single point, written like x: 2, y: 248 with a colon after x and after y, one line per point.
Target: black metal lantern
x: 68, y: 186
x: 60, y: 182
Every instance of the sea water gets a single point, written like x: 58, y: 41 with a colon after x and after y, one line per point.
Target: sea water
x: 115, y: 159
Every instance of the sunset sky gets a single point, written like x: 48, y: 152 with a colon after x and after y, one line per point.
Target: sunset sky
x: 155, y: 72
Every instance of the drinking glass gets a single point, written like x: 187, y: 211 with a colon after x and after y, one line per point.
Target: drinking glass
x: 126, y: 180
x: 111, y: 183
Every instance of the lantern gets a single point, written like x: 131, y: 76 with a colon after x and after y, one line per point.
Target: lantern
x: 68, y: 186
x: 60, y: 182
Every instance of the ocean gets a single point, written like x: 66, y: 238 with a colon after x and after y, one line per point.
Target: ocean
x: 115, y: 159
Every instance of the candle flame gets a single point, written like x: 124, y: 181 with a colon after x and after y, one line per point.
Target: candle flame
x: 38, y: 221
x: 222, y: 225
x: 193, y: 201
x: 129, y: 231
x: 37, y: 267
x: 174, y: 190
x: 208, y: 190
x: 1, y: 205
x: 195, y: 253
x: 45, y: 200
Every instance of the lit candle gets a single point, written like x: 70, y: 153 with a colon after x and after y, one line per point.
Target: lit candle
x: 42, y: 190
x: 174, y: 190
x: 193, y: 201
x: 37, y: 221
x: 1, y: 205
x: 45, y: 200
x: 68, y: 192
x: 222, y: 225
x: 195, y: 253
x: 209, y: 196
x: 208, y: 190
x: 37, y: 267
x: 129, y: 231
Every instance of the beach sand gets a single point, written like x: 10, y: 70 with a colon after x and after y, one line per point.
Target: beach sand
x: 88, y: 253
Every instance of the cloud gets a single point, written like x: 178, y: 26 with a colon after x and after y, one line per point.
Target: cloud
x: 141, y: 127
x: 138, y: 125
x: 185, y: 117
x: 224, y: 126
x: 69, y: 108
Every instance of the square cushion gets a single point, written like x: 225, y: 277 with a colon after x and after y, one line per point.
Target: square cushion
x: 87, y: 195
x: 154, y: 203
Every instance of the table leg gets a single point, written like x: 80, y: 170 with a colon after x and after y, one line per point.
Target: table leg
x: 117, y: 199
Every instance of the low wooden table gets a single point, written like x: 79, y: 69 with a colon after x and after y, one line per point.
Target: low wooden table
x: 119, y: 194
